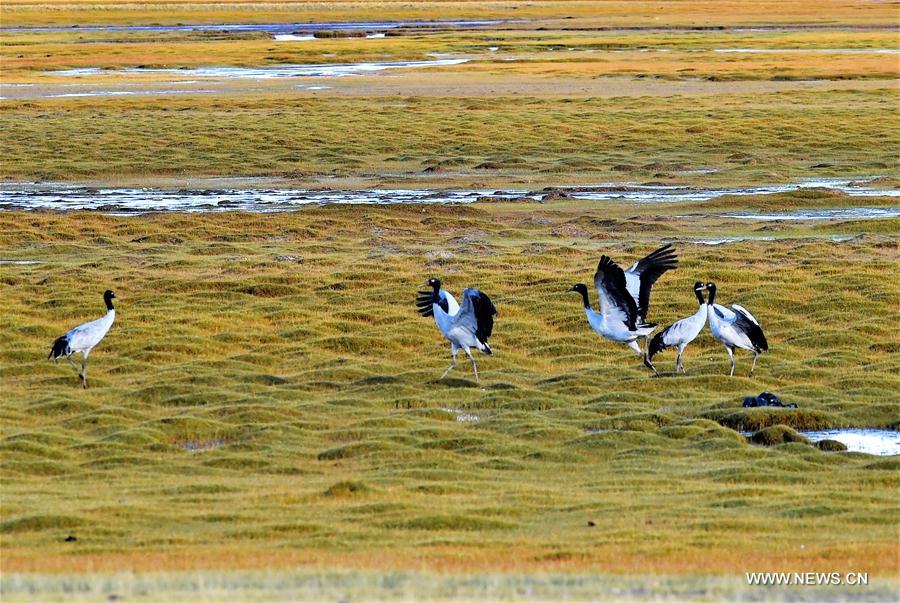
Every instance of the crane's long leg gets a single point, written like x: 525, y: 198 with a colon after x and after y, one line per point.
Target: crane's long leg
x: 731, y: 355
x: 72, y: 362
x: 83, y: 373
x: 650, y: 366
x: 678, y: 365
x: 474, y: 366
x: 753, y: 367
x: 453, y: 350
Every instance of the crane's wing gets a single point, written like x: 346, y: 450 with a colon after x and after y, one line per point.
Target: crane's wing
x: 476, y: 314
x: 447, y: 303
x: 749, y: 325
x: 639, y: 279
x: 745, y: 312
x: 615, y: 301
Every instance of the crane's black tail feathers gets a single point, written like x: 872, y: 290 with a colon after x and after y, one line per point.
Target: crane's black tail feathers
x: 60, y: 348
x: 656, y: 345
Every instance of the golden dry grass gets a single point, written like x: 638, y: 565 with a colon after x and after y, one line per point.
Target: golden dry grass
x: 286, y: 349
x: 653, y: 13
x: 753, y: 138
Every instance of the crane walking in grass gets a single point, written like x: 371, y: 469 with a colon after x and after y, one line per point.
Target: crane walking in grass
x: 735, y: 328
x: 680, y: 333
x: 465, y: 327
x: 85, y: 338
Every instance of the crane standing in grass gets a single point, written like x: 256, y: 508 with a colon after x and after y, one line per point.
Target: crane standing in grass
x: 735, y: 328
x: 466, y: 326
x: 680, y: 333
x: 85, y: 338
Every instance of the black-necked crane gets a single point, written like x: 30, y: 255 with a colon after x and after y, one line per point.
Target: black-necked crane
x: 625, y: 298
x: 465, y: 326
x: 680, y: 333
x: 85, y: 338
x: 735, y: 328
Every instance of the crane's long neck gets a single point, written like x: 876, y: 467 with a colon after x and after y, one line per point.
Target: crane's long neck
x: 584, y: 297
x: 699, y: 294
x: 712, y: 296
x: 109, y: 305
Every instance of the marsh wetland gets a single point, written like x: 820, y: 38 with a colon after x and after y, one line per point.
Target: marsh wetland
x: 265, y: 419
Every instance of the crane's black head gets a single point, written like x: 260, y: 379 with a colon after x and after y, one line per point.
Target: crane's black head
x: 581, y: 289
x: 434, y: 283
x: 108, y: 296
x: 699, y: 288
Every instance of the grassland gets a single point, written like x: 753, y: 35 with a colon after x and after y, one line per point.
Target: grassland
x: 765, y: 137
x: 271, y: 381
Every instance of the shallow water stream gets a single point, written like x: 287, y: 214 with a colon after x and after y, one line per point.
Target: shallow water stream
x: 272, y: 28
x: 65, y: 196
x: 263, y: 73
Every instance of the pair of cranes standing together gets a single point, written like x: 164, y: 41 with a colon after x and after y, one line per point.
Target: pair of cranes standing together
x: 624, y: 302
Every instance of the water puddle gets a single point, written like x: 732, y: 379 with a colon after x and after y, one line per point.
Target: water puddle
x: 20, y: 262
x: 198, y: 446
x: 64, y: 196
x: 880, y: 442
x: 808, y: 50
x: 294, y: 37
x: 272, y: 28
x: 730, y: 240
x: 463, y: 416
x: 122, y: 93
x: 262, y: 73
x: 850, y: 213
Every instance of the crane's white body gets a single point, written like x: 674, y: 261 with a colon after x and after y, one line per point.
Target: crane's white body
x: 85, y: 337
x: 681, y: 333
x: 722, y: 324
x: 610, y: 325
